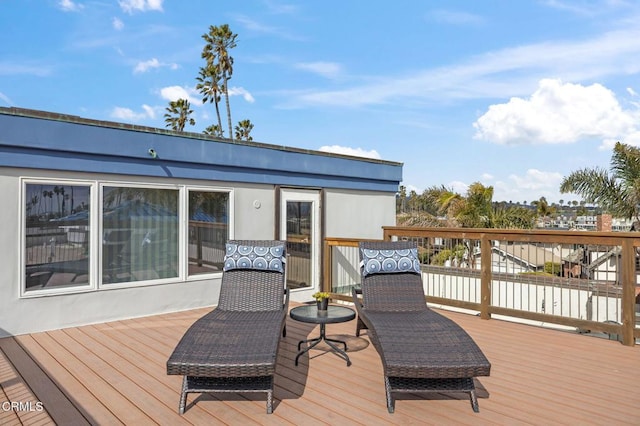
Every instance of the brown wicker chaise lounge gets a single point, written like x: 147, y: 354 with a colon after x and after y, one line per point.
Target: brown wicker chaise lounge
x: 420, y: 350
x: 234, y: 347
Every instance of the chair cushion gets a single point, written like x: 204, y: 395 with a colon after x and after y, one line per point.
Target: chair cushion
x: 389, y: 261
x: 254, y: 257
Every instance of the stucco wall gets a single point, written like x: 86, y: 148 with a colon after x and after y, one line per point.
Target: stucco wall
x: 254, y: 212
x: 31, y: 314
x: 358, y: 214
x: 349, y: 213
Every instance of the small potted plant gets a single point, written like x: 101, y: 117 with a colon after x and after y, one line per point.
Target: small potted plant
x: 322, y: 299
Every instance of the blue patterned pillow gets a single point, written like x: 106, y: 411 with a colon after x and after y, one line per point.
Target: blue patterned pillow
x: 254, y: 257
x: 389, y: 261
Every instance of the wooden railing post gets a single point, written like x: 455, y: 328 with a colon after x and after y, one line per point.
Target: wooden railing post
x: 628, y: 281
x: 327, y: 278
x: 485, y: 276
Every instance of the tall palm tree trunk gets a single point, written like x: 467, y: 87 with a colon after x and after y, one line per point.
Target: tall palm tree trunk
x: 226, y: 99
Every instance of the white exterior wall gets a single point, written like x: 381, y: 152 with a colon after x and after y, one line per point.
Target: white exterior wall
x: 48, y: 312
x: 358, y: 214
x: 353, y: 214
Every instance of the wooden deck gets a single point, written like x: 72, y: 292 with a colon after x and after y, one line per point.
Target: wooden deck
x: 115, y: 373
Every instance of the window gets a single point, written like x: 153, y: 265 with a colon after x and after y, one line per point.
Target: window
x: 88, y: 235
x: 140, y: 234
x: 208, y: 230
x: 57, y: 235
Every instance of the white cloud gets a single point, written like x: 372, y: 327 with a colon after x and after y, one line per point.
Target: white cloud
x: 150, y: 111
x: 345, y: 150
x: 127, y: 114
x: 486, y: 176
x: 588, y: 8
x: 631, y: 91
x: 173, y: 93
x: 456, y: 18
x: 70, y: 6
x: 536, y: 180
x: 13, y: 68
x: 241, y: 91
x: 252, y: 25
x: 130, y: 6
x: 557, y: 113
x: 145, y: 66
x: 278, y: 8
x: 325, y: 69
x: 459, y: 187
x: 5, y: 98
x: 518, y: 188
x: 512, y: 71
x: 117, y: 24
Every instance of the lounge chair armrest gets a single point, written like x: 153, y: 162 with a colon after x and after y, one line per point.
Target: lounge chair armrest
x: 286, y: 299
x: 356, y: 301
x: 355, y: 292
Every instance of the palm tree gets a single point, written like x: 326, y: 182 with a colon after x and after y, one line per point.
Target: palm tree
x: 400, y: 205
x: 58, y: 190
x: 617, y: 192
x: 177, y: 115
x: 48, y: 194
x: 214, y: 130
x: 209, y: 86
x: 447, y: 202
x: 243, y: 130
x: 219, y: 40
x: 542, y: 207
x: 477, y: 209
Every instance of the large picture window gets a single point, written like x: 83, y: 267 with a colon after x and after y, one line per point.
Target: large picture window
x: 88, y: 235
x: 56, y: 236
x: 140, y: 234
x: 208, y: 230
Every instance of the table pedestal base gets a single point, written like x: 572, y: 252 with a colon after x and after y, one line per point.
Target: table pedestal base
x: 323, y: 337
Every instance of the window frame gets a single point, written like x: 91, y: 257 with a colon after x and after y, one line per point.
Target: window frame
x: 92, y: 270
x: 96, y: 230
x: 128, y: 284
x: 230, y: 226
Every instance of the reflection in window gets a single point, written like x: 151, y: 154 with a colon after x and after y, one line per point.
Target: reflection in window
x: 56, y: 236
x: 299, y: 243
x: 208, y: 231
x: 140, y: 234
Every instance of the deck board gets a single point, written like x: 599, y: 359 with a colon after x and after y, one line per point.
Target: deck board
x: 115, y: 373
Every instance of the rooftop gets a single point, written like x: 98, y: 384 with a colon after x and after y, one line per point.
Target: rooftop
x: 115, y: 372
x: 52, y: 141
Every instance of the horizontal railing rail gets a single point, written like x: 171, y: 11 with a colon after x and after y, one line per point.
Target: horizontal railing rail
x: 580, y: 280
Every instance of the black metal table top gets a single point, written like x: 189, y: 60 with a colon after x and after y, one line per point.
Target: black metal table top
x: 335, y: 314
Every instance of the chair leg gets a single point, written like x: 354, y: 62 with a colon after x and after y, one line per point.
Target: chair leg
x: 270, y: 401
x: 183, y: 396
x: 387, y: 388
x: 474, y: 401
x: 359, y: 326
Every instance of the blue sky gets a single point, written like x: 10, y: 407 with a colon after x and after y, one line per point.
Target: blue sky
x: 512, y: 94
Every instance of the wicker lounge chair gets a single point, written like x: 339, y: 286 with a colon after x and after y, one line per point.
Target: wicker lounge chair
x: 421, y: 350
x: 234, y: 347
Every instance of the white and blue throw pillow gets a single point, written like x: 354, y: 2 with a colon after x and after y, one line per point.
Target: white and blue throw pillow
x: 389, y: 261
x: 254, y: 257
